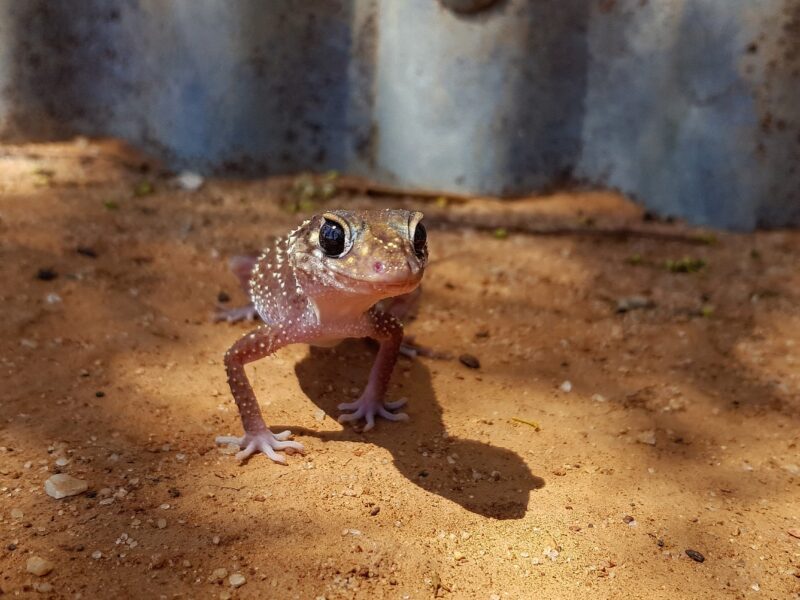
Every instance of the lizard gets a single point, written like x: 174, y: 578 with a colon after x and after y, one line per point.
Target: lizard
x: 321, y: 283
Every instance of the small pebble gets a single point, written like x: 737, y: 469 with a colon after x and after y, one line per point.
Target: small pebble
x: 237, y: 580
x: 219, y: 574
x: 695, y: 556
x: 189, y: 181
x: 468, y: 360
x: 43, y: 587
x: 632, y: 303
x: 647, y: 437
x: 39, y: 566
x: 86, y: 251
x: 375, y: 510
x: 551, y: 553
x: 162, y: 523
x: 566, y: 387
x: 62, y: 485
x: 17, y: 514
x: 97, y: 555
x: 46, y: 274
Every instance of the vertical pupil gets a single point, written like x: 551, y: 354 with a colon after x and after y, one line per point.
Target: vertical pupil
x: 420, y: 238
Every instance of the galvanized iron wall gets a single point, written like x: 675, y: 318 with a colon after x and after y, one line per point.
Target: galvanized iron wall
x: 691, y: 106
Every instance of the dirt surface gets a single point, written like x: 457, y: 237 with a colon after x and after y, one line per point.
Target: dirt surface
x: 589, y: 451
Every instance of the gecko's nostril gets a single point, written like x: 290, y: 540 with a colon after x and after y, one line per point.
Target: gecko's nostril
x: 377, y: 266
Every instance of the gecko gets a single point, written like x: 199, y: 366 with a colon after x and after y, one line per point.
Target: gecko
x: 322, y: 283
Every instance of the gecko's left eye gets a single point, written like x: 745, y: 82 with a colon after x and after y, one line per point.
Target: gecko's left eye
x: 332, y: 238
x: 420, y: 240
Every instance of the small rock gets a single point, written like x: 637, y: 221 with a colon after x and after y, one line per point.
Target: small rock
x: 17, y: 514
x: 97, y: 555
x: 218, y: 574
x: 795, y: 533
x: 43, y: 587
x: 86, y: 251
x: 468, y: 360
x: 647, y: 437
x: 237, y: 580
x: 598, y: 398
x: 566, y: 387
x: 190, y: 181
x: 633, y: 303
x: 162, y: 523
x: 376, y: 509
x: 319, y: 415
x: 46, y: 274
x: 755, y: 587
x: 52, y: 298
x: 792, y: 469
x: 695, y: 556
x: 39, y: 566
x: 62, y: 485
x: 551, y: 553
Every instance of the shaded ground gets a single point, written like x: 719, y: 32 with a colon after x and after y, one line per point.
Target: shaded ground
x: 679, y: 429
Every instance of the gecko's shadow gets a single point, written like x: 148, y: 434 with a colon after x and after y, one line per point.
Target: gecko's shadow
x: 487, y: 480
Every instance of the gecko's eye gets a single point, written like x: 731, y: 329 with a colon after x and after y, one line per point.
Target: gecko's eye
x: 420, y: 240
x: 332, y: 238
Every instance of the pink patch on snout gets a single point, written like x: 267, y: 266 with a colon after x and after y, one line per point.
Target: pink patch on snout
x: 377, y: 266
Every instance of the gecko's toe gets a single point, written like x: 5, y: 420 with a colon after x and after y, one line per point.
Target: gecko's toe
x: 264, y: 442
x: 354, y: 416
x: 368, y: 409
x: 390, y: 416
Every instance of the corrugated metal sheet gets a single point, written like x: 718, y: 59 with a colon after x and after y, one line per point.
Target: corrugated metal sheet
x: 691, y: 106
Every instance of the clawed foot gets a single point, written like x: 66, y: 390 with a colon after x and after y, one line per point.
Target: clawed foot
x: 264, y: 441
x: 367, y: 408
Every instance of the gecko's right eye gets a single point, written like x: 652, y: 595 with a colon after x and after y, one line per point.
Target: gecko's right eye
x: 332, y: 238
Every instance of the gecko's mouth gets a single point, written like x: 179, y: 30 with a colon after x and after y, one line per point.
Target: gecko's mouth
x: 396, y: 287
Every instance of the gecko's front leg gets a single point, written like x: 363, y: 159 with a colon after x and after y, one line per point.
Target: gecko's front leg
x: 388, y: 331
x: 257, y: 436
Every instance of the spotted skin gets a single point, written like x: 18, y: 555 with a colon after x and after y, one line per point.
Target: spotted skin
x: 303, y: 294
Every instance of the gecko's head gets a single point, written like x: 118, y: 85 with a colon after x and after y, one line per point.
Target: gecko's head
x: 372, y: 252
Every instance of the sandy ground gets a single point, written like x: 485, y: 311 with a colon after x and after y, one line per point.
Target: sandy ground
x: 588, y: 452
